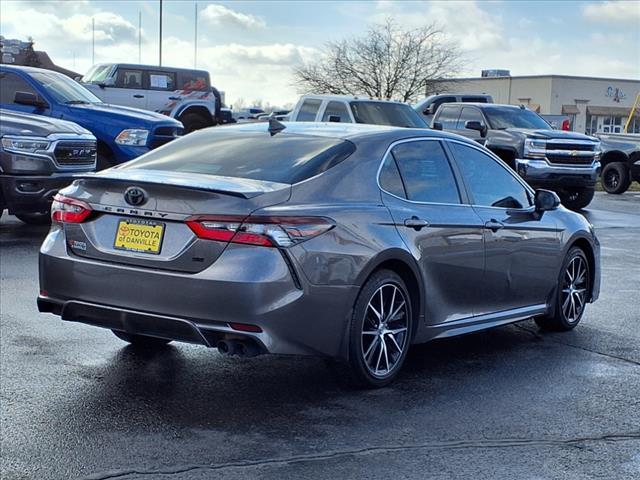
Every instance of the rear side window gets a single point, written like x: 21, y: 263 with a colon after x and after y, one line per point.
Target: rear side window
x: 162, y: 81
x: 192, y: 81
x: 336, y: 109
x: 440, y: 101
x: 128, y: 78
x: 426, y: 172
x: 390, y: 179
x: 475, y: 99
x: 448, y: 117
x: 283, y: 158
x: 10, y: 83
x: 308, y: 110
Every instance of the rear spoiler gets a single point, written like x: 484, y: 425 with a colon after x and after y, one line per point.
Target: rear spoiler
x: 234, y: 186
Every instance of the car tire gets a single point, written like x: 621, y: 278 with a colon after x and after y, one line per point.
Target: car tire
x: 574, y: 285
x: 380, y: 330
x: 141, y: 341
x: 577, y: 198
x: 615, y: 178
x: 194, y: 121
x: 37, y: 218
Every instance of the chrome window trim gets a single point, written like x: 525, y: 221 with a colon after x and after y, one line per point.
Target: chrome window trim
x: 416, y: 202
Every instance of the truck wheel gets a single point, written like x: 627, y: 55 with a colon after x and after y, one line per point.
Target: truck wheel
x: 38, y: 218
x: 615, y: 178
x: 194, y: 121
x: 577, y: 198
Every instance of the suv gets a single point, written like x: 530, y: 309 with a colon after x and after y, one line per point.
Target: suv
x: 429, y: 106
x: 566, y: 162
x: 39, y: 156
x: 348, y: 109
x: 122, y: 133
x: 184, y: 94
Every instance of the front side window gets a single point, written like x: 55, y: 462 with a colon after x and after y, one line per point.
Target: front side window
x: 10, y: 83
x: 97, y: 74
x: 426, y: 173
x: 308, y: 110
x: 448, y: 117
x: 336, y: 109
x: 128, y: 78
x: 469, y: 114
x: 489, y: 183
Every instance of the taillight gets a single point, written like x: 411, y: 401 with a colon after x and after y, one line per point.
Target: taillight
x: 566, y: 125
x: 263, y: 231
x: 69, y: 210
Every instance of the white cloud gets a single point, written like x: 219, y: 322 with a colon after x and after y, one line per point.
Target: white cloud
x: 219, y: 15
x: 618, y: 11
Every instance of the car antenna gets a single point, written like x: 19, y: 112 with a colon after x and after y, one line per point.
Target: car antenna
x: 275, y: 126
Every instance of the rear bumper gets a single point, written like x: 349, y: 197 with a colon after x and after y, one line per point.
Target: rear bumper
x: 246, y: 284
x: 542, y: 173
x: 31, y: 193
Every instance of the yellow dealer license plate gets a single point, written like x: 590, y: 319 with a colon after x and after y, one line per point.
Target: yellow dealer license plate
x: 139, y: 236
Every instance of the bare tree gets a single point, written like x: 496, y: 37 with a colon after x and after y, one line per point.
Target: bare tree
x: 388, y: 62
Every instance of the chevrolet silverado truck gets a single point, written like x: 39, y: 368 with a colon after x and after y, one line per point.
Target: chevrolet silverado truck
x: 122, y: 133
x: 565, y: 162
x: 181, y: 93
x: 39, y: 156
x: 620, y: 161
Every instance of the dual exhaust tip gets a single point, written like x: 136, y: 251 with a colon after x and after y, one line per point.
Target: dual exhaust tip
x: 242, y: 348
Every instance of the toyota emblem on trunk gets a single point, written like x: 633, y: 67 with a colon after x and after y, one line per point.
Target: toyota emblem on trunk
x: 135, y: 196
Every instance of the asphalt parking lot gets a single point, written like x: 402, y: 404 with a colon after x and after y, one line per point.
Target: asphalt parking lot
x: 508, y: 403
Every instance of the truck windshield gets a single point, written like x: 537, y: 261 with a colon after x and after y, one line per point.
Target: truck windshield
x: 63, y: 89
x: 502, y: 118
x: 383, y: 113
x: 97, y: 74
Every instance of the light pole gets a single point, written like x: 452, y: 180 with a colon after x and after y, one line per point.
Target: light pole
x: 160, y: 41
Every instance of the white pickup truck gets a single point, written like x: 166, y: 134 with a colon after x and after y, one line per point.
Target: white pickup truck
x: 351, y: 109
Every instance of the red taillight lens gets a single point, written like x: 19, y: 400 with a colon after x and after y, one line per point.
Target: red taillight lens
x: 566, y: 125
x: 69, y: 210
x: 263, y: 231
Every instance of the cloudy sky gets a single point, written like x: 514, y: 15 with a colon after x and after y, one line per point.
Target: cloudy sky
x: 250, y: 47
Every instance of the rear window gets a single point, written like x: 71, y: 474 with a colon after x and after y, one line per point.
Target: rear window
x: 381, y: 113
x: 282, y: 158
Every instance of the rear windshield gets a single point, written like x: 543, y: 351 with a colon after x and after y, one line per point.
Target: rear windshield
x: 381, y: 113
x: 283, y: 158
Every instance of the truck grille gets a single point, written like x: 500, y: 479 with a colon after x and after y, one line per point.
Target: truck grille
x: 569, y: 160
x: 162, y: 135
x: 571, y: 153
x: 75, y: 153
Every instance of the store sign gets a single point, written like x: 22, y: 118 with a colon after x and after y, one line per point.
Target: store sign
x: 616, y: 94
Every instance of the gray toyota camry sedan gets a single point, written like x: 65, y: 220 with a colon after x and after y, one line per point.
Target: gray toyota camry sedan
x: 346, y: 241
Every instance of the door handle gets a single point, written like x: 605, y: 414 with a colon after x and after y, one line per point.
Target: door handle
x: 137, y: 95
x: 175, y: 98
x: 415, y: 223
x: 494, y: 225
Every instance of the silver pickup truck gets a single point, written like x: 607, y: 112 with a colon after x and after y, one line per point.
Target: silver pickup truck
x: 620, y: 160
x: 38, y: 156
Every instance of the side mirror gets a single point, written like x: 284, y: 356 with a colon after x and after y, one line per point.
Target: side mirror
x: 430, y: 110
x: 108, y: 82
x: 436, y: 126
x: 475, y: 125
x: 334, y: 118
x: 28, y: 98
x: 546, y: 200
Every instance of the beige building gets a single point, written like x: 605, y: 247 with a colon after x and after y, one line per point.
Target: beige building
x: 592, y: 104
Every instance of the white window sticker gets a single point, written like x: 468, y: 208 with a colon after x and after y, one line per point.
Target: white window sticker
x: 158, y: 81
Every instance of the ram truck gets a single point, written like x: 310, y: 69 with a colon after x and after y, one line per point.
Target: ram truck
x: 565, y: 162
x: 39, y: 156
x: 122, y: 133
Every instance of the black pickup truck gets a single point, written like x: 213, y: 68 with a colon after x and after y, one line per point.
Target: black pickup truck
x: 38, y: 156
x: 565, y: 162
